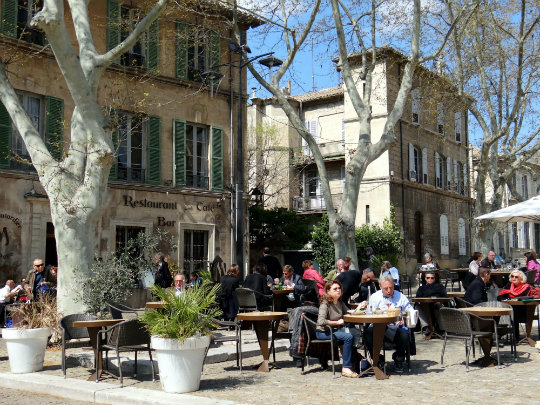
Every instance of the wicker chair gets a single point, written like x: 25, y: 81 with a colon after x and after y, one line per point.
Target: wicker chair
x: 531, y: 275
x: 127, y: 336
x: 461, y: 303
x: 226, y: 325
x: 73, y: 337
x: 458, y: 325
x: 505, y: 326
x: 120, y: 311
x: 310, y: 325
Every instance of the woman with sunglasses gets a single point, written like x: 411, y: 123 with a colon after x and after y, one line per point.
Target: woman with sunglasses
x: 517, y: 287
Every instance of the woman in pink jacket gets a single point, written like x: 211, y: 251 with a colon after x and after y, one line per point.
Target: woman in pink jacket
x: 312, y: 274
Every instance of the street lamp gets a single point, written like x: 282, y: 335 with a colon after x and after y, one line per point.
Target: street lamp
x: 242, y: 50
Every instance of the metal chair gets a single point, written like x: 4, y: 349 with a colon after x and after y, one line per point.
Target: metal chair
x: 405, y: 283
x: 447, y: 276
x: 311, y: 295
x: 310, y: 326
x: 226, y: 325
x: 531, y: 275
x: 73, y: 337
x: 505, y: 326
x: 246, y: 299
x: 458, y: 325
x: 120, y: 311
x: 127, y: 336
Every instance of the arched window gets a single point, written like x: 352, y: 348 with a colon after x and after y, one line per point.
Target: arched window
x: 445, y: 248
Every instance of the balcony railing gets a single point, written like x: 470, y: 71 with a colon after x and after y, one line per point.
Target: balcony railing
x: 314, y: 203
x: 197, y: 181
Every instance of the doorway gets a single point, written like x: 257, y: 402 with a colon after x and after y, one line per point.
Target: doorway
x: 51, y: 256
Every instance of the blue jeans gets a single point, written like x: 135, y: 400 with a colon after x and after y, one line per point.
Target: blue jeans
x: 346, y: 338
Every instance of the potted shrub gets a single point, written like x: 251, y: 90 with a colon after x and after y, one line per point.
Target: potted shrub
x: 180, y: 334
x: 27, y: 340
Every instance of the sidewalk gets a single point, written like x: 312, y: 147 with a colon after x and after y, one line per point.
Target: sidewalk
x: 222, y: 383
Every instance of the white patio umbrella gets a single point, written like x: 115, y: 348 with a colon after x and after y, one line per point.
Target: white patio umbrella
x: 525, y: 211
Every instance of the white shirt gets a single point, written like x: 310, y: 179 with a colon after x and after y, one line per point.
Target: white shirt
x: 178, y: 292
x: 473, y: 267
x: 378, y: 300
x: 3, y: 292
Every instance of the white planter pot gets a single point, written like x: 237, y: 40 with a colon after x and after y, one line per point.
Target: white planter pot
x: 180, y: 363
x: 26, y: 348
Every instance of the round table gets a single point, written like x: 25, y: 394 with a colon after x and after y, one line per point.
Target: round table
x: 530, y: 307
x: 262, y: 322
x: 93, y: 327
x: 488, y: 311
x: 379, y: 326
x: 278, y: 297
x: 453, y: 294
x: 155, y: 305
x: 426, y: 304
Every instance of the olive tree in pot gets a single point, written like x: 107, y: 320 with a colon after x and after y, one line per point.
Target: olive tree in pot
x: 27, y: 340
x: 181, y: 334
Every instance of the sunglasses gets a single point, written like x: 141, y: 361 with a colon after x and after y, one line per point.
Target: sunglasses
x: 39, y: 265
x: 514, y: 277
x: 430, y: 278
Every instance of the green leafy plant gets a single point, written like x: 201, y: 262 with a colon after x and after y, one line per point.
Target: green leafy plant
x: 323, y: 247
x: 185, y: 315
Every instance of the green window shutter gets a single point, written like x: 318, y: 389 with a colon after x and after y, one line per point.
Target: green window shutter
x: 179, y: 152
x: 215, y: 51
x: 54, y: 126
x: 5, y: 138
x: 153, y: 171
x: 113, y: 174
x: 182, y: 32
x: 113, y: 23
x: 9, y: 18
x: 152, y: 47
x: 217, y: 158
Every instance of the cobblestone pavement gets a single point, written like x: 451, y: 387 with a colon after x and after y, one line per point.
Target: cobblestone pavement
x: 427, y: 383
x: 16, y: 397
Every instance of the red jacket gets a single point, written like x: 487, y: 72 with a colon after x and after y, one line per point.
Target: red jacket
x: 313, y: 274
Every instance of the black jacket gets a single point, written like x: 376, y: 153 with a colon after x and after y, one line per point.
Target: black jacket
x: 273, y: 266
x: 431, y: 290
x: 163, y: 276
x: 350, y: 280
x: 476, y: 292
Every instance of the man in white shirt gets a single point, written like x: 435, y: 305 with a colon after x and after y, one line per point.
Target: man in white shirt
x: 6, y: 294
x: 386, y: 298
x: 179, y: 284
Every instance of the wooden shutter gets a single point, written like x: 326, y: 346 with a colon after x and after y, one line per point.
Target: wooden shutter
x: 438, y: 180
x: 215, y: 51
x: 412, y: 171
x: 448, y: 173
x: 440, y: 118
x: 113, y: 174
x: 9, y: 18
x: 152, y: 47
x: 54, y: 126
x: 5, y: 138
x: 415, y: 106
x: 217, y: 158
x: 154, y: 150
x: 465, y: 179
x: 182, y: 31
x: 425, y: 166
x: 458, y: 126
x: 113, y: 23
x: 445, y: 248
x: 179, y: 152
x: 462, y: 242
x: 456, y: 175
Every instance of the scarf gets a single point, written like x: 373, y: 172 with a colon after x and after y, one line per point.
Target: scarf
x: 514, y: 291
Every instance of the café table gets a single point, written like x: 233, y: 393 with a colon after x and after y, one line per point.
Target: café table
x: 277, y: 295
x: 155, y: 305
x: 379, y: 326
x: 453, y: 294
x: 261, y: 323
x: 530, y: 307
x: 427, y: 305
x: 93, y: 327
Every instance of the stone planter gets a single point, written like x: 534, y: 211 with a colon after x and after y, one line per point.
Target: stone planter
x: 180, y: 363
x: 26, y: 348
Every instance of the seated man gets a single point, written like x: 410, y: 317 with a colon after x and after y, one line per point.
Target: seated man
x: 7, y: 294
x: 342, y: 265
x: 38, y: 280
x: 179, y: 284
x: 294, y: 281
x: 195, y: 279
x: 432, y: 288
x: 367, y: 287
x: 258, y: 282
x: 397, y: 332
x: 350, y: 280
x: 476, y: 291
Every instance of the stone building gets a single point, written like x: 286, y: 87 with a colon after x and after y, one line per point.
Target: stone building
x: 424, y: 175
x: 174, y: 132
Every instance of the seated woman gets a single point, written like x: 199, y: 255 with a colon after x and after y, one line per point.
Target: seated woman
x: 229, y: 283
x: 331, y: 313
x: 432, y: 288
x: 311, y: 274
x: 517, y: 287
x: 387, y: 268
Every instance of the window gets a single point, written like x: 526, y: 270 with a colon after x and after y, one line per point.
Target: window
x: 440, y: 118
x: 448, y: 174
x: 195, y: 165
x: 462, y: 242
x: 460, y: 172
x: 138, y: 142
x: 425, y: 166
x: 367, y: 215
x: 514, y: 234
x: 195, y: 250
x: 197, y: 51
x: 121, y: 21
x: 47, y: 115
x: 440, y: 171
x: 524, y: 189
x: 123, y: 235
x: 16, y: 18
x: 458, y: 126
x: 415, y: 107
x: 312, y: 190
x: 445, y: 247
x: 526, y: 236
x: 415, y: 161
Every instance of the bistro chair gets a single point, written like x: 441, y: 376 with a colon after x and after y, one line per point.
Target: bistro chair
x: 73, y: 337
x: 246, y: 299
x: 447, y: 276
x: 531, y: 275
x: 127, y: 336
x: 310, y: 325
x: 505, y: 326
x: 311, y: 296
x: 459, y: 325
x: 461, y: 303
x: 405, y: 283
x: 120, y: 311
x: 225, y: 326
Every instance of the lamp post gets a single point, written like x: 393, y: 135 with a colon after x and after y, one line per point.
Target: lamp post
x: 241, y: 50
